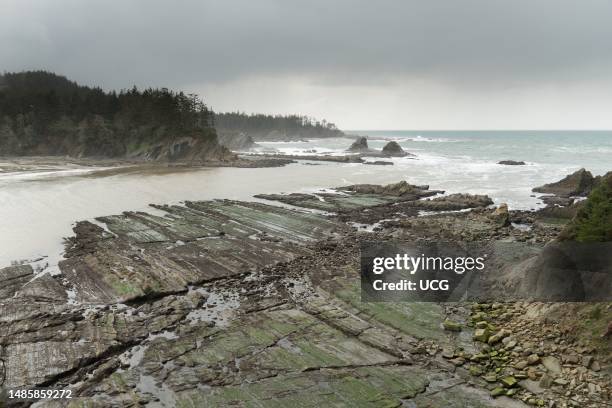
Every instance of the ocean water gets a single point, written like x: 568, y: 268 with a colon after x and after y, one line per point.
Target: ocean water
x: 589, y: 149
x: 40, y: 203
x: 466, y: 161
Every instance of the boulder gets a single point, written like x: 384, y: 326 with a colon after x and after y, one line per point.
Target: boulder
x: 521, y: 365
x: 451, y: 325
x: 393, y: 149
x: 587, y: 361
x: 490, y: 378
x: 457, y: 362
x: 501, y: 215
x: 496, y: 338
x: 475, y: 370
x: 481, y: 335
x: 546, y: 381
x: 552, y: 364
x: 533, y: 359
x: 509, y: 381
x: 532, y: 386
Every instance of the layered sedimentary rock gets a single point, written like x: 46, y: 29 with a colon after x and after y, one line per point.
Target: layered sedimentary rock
x: 222, y: 303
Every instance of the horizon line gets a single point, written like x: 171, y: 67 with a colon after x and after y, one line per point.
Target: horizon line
x: 476, y: 130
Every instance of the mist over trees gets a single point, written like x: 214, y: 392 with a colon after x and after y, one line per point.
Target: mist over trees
x: 42, y: 113
x: 275, y: 126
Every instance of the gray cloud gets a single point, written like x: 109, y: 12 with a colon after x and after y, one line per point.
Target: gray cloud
x: 470, y: 46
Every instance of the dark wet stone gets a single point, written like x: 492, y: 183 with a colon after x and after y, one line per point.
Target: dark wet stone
x: 511, y: 163
x: 393, y: 149
x: 359, y: 146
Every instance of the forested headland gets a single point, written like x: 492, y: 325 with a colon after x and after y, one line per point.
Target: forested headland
x: 42, y: 113
x: 45, y: 114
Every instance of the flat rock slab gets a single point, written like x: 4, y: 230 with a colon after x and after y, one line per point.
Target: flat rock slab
x: 329, y: 202
x: 355, y: 197
x: 355, y: 387
x: 150, y: 255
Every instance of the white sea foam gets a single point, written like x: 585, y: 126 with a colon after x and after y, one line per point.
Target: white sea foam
x: 417, y: 138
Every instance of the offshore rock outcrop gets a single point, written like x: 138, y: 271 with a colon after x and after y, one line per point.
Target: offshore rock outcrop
x: 393, y: 149
x: 359, y: 146
x: 512, y: 163
x: 355, y: 154
x: 578, y: 183
x: 378, y: 163
x: 401, y: 189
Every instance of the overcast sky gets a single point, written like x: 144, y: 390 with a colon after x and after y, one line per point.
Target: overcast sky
x: 430, y: 64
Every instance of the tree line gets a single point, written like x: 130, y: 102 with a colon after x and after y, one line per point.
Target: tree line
x: 42, y: 113
x: 45, y: 113
x: 287, y: 124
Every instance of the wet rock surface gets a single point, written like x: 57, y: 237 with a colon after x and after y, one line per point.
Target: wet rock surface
x: 227, y: 303
x: 512, y: 163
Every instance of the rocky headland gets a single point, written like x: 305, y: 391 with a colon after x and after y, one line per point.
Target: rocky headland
x: 565, y: 197
x: 48, y: 117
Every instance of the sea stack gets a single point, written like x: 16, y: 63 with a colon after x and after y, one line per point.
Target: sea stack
x: 359, y: 146
x: 393, y: 149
